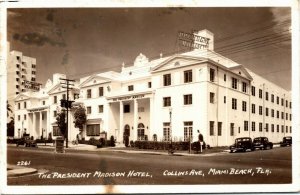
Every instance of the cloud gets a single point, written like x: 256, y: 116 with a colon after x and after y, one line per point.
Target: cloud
x: 36, y: 39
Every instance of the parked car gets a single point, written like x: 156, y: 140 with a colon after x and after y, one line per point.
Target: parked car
x: 242, y: 144
x: 27, y: 142
x: 262, y: 143
x: 286, y: 141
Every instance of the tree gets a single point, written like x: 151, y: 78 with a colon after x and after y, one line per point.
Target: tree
x: 8, y: 108
x: 61, y: 122
x: 11, y: 127
x: 80, y: 117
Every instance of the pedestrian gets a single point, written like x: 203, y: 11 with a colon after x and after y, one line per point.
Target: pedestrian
x: 200, y: 139
x: 77, y: 139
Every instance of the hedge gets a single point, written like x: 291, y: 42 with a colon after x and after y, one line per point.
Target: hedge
x: 156, y: 145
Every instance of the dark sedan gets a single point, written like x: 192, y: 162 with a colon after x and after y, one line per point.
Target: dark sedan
x: 286, y: 141
x: 242, y: 144
x: 262, y: 143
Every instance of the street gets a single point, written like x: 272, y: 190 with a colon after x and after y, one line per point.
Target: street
x: 111, y: 168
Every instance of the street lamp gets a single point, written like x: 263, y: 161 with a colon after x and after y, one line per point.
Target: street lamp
x: 171, y: 145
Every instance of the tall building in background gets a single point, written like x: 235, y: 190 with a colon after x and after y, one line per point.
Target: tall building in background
x: 21, y: 75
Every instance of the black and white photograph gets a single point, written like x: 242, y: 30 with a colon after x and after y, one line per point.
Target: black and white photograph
x: 152, y: 98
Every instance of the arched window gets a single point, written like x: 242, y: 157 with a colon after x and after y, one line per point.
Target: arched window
x: 141, y: 131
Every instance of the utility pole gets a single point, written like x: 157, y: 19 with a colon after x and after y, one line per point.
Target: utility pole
x: 67, y: 103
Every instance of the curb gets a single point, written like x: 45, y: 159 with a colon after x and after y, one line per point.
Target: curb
x: 17, y: 171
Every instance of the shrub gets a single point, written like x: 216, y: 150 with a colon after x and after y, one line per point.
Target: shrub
x: 131, y: 143
x: 93, y: 142
x: 112, y: 141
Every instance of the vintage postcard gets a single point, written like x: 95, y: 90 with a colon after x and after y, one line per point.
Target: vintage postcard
x: 149, y: 96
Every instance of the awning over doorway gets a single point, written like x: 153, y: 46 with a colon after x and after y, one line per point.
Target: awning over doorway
x: 94, y: 121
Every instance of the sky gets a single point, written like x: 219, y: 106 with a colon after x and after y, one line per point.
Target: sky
x: 83, y: 41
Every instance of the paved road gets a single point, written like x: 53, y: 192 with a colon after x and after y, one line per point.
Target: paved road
x: 88, y: 168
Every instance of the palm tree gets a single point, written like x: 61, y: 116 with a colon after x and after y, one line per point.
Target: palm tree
x: 8, y: 108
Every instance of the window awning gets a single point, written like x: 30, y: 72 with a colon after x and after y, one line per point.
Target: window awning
x: 94, y: 121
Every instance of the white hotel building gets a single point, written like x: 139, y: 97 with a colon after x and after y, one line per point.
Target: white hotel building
x: 172, y: 96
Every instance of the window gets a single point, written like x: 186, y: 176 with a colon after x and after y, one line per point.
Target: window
x: 234, y: 104
x: 126, y: 108
x: 56, y: 131
x: 44, y: 102
x: 188, y: 131
x: 267, y: 127
x: 290, y: 117
x: 130, y: 88
x: 282, y: 115
x: 64, y: 96
x: 211, y: 128
x: 272, y: 113
x: 219, y: 128
x: 141, y: 131
x: 260, y: 110
x: 224, y: 99
x: 231, y: 129
x: 244, y: 106
x: 253, y: 90
x: 89, y: 110
x: 89, y: 93
x: 166, y: 131
x: 19, y: 117
x: 282, y: 128
x: 277, y: 114
x: 234, y: 83
x: 253, y: 126
x: 100, y: 108
x: 25, y: 116
x: 101, y: 91
x: 19, y: 106
x: 167, y: 79
x: 286, y: 129
x: 149, y: 84
x: 245, y: 125
x: 253, y: 108
x: 33, y: 65
x: 272, y: 127
x: 260, y: 127
x: 277, y: 100
x: 141, y: 109
x: 188, y: 76
x: 267, y: 111
x: 290, y: 129
x: 17, y: 86
x: 272, y: 98
x: 286, y: 103
x: 32, y: 72
x: 212, y: 75
x: 282, y: 102
x: 277, y: 128
x: 290, y: 104
x: 32, y: 79
x: 55, y: 99
x: 188, y: 99
x: 54, y: 113
x: 224, y: 77
x: 286, y: 116
x: 267, y: 96
x: 244, y: 87
x: 260, y: 94
x: 211, y: 97
x: 93, y: 130
x: 166, y: 101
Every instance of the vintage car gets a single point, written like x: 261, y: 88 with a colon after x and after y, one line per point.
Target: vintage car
x: 262, y: 143
x: 242, y: 144
x: 27, y: 142
x: 286, y: 141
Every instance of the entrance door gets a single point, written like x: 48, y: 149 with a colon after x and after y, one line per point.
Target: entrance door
x: 141, y: 131
x: 126, y: 132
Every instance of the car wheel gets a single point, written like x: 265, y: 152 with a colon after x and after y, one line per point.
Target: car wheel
x: 231, y: 151
x: 244, y: 149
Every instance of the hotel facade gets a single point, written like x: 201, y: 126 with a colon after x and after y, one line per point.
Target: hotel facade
x: 171, y: 97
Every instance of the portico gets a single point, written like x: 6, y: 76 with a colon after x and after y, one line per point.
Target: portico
x: 38, y: 122
x: 131, y: 116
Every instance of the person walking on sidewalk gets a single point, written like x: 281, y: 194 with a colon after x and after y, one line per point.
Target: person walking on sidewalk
x: 200, y: 139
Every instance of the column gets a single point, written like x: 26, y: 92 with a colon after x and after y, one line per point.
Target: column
x: 151, y: 115
x: 135, y: 119
x: 48, y: 128
x: 121, y: 125
x: 41, y: 126
x: 33, y: 125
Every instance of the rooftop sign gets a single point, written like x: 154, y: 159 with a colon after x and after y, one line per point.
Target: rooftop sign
x: 191, y: 40
x: 32, y: 85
